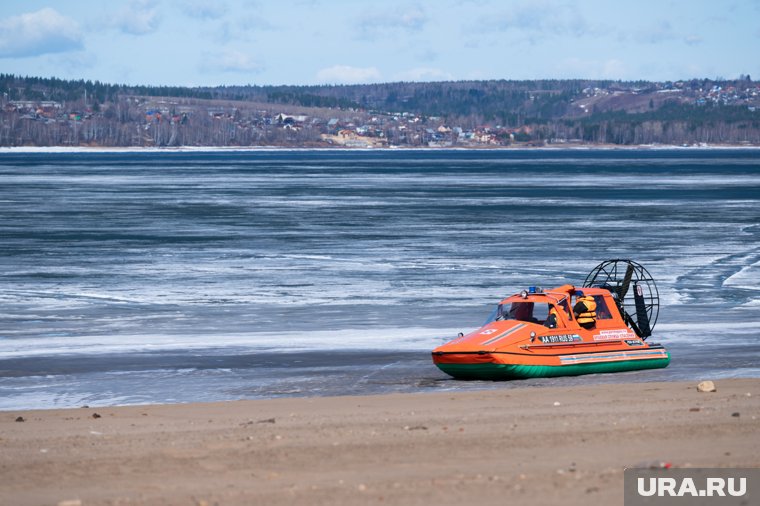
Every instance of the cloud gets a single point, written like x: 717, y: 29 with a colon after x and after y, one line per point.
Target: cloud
x: 201, y: 9
x: 35, y: 33
x: 230, y: 61
x: 138, y: 17
x: 535, y: 20
x: 664, y: 32
x: 424, y: 74
x: 385, y: 24
x: 344, y: 74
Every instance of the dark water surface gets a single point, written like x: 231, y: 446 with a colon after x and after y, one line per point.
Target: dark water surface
x: 154, y: 277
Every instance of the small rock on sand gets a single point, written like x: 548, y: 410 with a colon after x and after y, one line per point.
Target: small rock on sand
x: 706, y: 386
x: 20, y: 419
x: 653, y: 464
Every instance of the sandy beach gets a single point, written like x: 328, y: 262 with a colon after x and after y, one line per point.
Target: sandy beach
x: 543, y: 445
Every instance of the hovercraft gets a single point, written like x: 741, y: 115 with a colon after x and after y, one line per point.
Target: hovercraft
x: 601, y: 327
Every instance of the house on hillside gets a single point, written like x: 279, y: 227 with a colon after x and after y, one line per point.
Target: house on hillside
x: 286, y: 119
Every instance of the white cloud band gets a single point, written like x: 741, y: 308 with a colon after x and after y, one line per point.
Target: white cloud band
x: 36, y: 33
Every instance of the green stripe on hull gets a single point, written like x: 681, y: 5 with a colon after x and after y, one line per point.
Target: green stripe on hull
x: 491, y: 371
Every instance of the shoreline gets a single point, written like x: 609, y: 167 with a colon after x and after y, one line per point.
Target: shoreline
x: 549, y: 445
x: 211, y: 149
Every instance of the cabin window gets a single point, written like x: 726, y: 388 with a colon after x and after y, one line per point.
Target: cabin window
x: 602, y: 311
x: 521, y: 311
x: 495, y: 314
x: 528, y: 312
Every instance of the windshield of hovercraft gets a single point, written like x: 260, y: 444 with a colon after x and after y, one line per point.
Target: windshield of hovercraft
x: 521, y: 311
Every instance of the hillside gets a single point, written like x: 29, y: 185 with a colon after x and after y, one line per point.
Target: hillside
x: 55, y: 112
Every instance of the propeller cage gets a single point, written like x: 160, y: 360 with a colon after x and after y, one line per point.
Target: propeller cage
x: 634, y: 291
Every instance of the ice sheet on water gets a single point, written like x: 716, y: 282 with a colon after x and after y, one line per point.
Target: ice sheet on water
x: 298, y: 250
x: 370, y: 338
x: 747, y: 277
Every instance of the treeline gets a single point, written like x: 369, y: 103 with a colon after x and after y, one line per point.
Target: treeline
x: 651, y: 132
x: 62, y: 90
x: 673, y: 123
x: 465, y: 102
x: 502, y: 99
x: 540, y: 111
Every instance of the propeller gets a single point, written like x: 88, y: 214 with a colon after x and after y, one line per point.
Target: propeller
x: 623, y: 289
x: 639, y: 310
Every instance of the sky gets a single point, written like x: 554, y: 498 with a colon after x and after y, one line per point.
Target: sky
x: 272, y: 42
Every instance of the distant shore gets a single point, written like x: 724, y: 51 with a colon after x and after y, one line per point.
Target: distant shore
x: 202, y: 149
x: 540, y: 445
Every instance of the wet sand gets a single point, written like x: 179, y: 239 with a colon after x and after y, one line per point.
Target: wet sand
x: 549, y: 446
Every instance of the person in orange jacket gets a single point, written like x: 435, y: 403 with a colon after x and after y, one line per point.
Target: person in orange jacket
x: 585, y: 311
x: 552, y: 320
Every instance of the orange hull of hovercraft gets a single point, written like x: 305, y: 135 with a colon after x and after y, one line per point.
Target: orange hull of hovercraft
x: 512, y: 349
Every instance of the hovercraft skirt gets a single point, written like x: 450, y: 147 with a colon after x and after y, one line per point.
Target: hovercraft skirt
x: 494, y: 371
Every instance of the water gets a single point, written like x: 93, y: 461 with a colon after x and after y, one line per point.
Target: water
x: 132, y: 278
